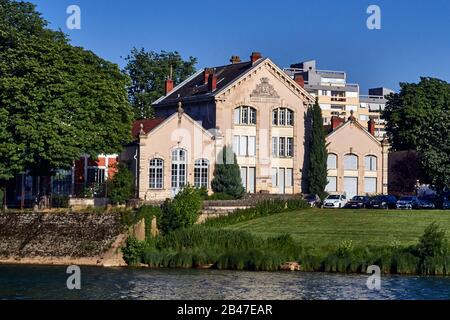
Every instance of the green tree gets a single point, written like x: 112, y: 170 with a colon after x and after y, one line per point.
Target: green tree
x: 148, y: 72
x: 121, y: 186
x: 57, y: 101
x: 418, y: 119
x: 183, y: 211
x: 317, y: 175
x: 227, y: 175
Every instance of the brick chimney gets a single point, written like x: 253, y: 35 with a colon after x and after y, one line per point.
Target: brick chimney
x: 212, y: 82
x: 336, y: 122
x: 255, y: 57
x: 235, y: 59
x: 168, y: 86
x: 371, y: 126
x: 207, y: 73
x: 299, y: 79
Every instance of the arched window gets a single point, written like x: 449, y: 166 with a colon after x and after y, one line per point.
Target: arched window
x: 282, y: 117
x: 332, y: 161
x: 245, y: 116
x: 178, y: 168
x: 156, y: 173
x: 201, y: 169
x: 370, y: 163
x: 350, y: 162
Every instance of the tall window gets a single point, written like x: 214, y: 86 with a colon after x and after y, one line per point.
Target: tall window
x: 282, y: 143
x: 245, y: 116
x: 282, y: 117
x: 201, y: 173
x: 332, y: 161
x: 275, y: 146
x: 156, y: 174
x: 244, y: 146
x: 178, y: 168
x: 290, y: 147
x: 370, y: 163
x: 350, y: 162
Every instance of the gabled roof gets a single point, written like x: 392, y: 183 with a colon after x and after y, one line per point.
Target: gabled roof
x: 194, y: 88
x: 356, y: 124
x: 147, y: 126
x: 159, y: 123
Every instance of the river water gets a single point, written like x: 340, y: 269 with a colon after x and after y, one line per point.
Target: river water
x: 41, y: 282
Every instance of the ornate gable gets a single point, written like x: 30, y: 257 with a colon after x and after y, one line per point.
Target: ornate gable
x: 264, y: 90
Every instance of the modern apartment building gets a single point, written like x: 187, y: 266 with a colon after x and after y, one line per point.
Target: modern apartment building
x: 375, y: 102
x: 337, y: 97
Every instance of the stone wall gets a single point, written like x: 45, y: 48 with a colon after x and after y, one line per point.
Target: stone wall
x: 68, y: 236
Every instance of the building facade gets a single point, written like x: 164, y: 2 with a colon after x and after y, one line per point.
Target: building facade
x: 357, y: 160
x: 257, y: 109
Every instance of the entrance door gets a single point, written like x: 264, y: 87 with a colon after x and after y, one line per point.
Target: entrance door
x: 244, y: 177
x: 351, y: 186
x: 178, y: 170
x: 282, y: 180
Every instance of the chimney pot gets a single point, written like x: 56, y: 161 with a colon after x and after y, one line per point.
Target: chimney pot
x: 207, y: 73
x: 235, y: 59
x: 212, y: 82
x: 336, y: 122
x: 168, y: 86
x: 255, y: 56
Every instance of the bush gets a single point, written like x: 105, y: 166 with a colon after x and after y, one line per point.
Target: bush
x: 182, y: 211
x: 432, y: 243
x: 220, y: 196
x: 227, y: 176
x: 133, y: 251
x: 2, y: 194
x: 121, y: 187
x: 60, y: 201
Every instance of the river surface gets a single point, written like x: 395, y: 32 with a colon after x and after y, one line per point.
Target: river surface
x: 41, y: 282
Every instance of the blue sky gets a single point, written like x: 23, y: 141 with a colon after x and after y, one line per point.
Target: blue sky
x: 414, y: 39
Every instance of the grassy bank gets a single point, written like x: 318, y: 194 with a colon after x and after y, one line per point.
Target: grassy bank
x: 325, y: 228
x: 265, y: 237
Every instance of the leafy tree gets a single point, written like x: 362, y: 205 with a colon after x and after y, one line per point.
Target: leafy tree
x: 56, y: 101
x: 148, y: 72
x: 121, y: 186
x: 182, y: 211
x: 418, y: 119
x: 227, y: 176
x: 317, y: 174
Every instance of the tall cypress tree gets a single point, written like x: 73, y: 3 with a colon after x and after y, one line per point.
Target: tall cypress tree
x: 318, y: 155
x: 227, y: 176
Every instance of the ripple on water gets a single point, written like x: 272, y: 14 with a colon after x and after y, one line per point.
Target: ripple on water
x: 31, y: 282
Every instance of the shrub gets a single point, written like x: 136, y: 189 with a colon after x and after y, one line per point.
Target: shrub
x: 432, y: 243
x: 220, y: 196
x: 2, y: 194
x: 121, y: 187
x: 227, y: 176
x: 182, y: 211
x: 133, y: 251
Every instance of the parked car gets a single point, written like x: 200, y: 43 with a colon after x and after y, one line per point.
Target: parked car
x: 313, y: 200
x: 335, y: 201
x: 408, y: 203
x: 427, y: 203
x: 383, y: 202
x: 446, y: 202
x: 358, y: 202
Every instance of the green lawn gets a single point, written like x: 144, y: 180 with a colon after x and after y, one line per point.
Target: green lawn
x: 324, y: 228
